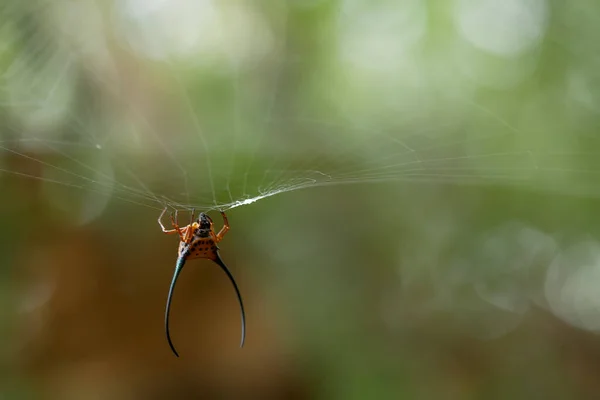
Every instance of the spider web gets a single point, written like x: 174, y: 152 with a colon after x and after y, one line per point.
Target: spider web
x: 233, y: 104
x: 135, y: 110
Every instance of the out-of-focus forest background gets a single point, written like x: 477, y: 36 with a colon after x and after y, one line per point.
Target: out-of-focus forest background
x: 420, y: 178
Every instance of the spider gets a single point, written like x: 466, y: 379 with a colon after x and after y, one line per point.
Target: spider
x: 198, y: 240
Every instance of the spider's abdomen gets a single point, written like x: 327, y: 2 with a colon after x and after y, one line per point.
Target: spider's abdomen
x: 203, y: 248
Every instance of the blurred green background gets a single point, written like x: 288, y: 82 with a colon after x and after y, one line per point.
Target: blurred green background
x: 421, y: 180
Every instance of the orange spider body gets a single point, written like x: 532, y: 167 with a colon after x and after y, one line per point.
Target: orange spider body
x: 203, y: 241
x: 198, y: 240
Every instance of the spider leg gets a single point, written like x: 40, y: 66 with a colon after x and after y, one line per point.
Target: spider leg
x: 213, y: 236
x: 178, y: 268
x: 224, y: 229
x: 160, y: 218
x: 165, y: 230
x: 221, y: 264
x: 190, y: 231
x: 181, y: 232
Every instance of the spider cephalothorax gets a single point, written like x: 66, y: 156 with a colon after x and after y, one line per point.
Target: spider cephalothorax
x: 199, y: 240
x: 204, y: 221
x: 204, y: 226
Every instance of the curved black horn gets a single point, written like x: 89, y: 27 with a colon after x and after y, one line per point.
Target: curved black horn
x: 221, y: 264
x: 178, y: 268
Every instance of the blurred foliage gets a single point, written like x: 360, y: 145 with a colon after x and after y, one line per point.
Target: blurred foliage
x: 412, y: 189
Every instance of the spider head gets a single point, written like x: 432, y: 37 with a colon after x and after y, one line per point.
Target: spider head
x: 204, y: 221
